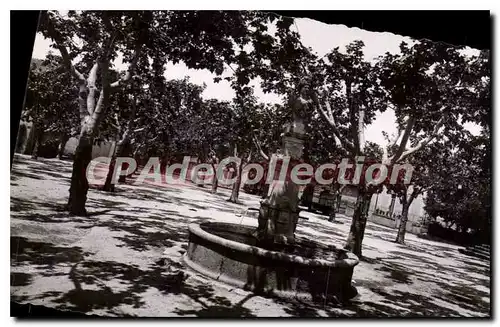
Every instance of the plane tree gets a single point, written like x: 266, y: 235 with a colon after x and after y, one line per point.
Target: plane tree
x: 433, y: 88
x: 460, y: 195
x: 91, y: 41
x: 49, y: 103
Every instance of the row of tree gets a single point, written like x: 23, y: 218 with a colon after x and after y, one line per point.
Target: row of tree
x: 433, y: 89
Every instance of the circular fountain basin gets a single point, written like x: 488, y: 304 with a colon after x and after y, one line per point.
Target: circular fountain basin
x: 307, y: 270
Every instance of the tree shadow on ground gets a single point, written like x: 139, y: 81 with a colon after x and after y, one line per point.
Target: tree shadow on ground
x: 406, y: 304
x: 20, y: 279
x: 318, y: 227
x: 91, y: 280
x: 402, y: 268
x: 42, y: 256
x: 16, y: 174
x: 152, y: 227
x: 48, y: 212
x: 443, y: 296
x: 171, y: 195
x: 223, y: 308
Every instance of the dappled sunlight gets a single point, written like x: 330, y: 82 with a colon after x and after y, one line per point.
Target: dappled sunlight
x: 125, y: 257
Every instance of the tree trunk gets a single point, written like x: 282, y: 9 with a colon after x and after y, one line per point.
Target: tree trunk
x: 402, y: 224
x: 307, y: 196
x: 337, y: 191
x: 119, y: 152
x: 79, y: 183
x: 391, y: 206
x: 236, y: 186
x: 400, y: 238
x: 339, y: 200
x: 124, y: 152
x: 332, y: 215
x: 202, y: 184
x: 357, y: 231
x: 215, y: 181
x: 38, y: 135
x: 21, y: 138
x: 62, y: 144
x: 265, y: 190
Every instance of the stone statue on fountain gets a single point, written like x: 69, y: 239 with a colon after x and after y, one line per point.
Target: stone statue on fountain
x: 279, y: 210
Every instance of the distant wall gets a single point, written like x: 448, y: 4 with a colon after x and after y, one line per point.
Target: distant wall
x: 414, y: 225
x: 381, y: 220
x: 384, y: 201
x: 105, y: 149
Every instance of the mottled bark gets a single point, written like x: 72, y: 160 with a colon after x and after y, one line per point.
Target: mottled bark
x: 214, y: 161
x: 235, y: 192
x: 400, y: 238
x: 358, y: 224
x: 120, y: 151
x: 391, y: 206
x: 91, y: 111
x: 37, y: 141
x: 339, y: 201
x: 215, y: 183
x: 337, y: 189
x: 21, y: 138
x: 62, y: 144
x: 79, y: 183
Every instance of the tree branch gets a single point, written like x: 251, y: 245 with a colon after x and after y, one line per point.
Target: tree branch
x: 82, y: 103
x: 131, y: 121
x: 92, y: 88
x: 130, y: 71
x: 425, y: 141
x: 404, y: 140
x: 414, y: 194
x: 385, y: 156
x: 249, y: 156
x: 96, y: 115
x: 112, y: 37
x: 361, y: 130
x: 58, y: 40
x: 259, y: 148
x: 354, y: 128
x: 400, y: 132
x: 328, y: 115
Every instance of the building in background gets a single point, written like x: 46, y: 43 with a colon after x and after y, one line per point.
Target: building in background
x: 386, y: 210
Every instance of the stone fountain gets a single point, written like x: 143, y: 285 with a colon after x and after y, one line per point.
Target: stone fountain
x: 271, y: 259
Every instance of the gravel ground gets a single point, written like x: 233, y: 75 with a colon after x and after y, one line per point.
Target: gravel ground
x: 124, y: 259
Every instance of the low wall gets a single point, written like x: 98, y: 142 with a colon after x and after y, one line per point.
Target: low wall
x: 105, y: 149
x: 381, y: 220
x: 411, y: 226
x: 415, y: 229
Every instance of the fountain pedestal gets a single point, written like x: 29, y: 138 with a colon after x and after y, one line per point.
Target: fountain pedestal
x: 279, y: 211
